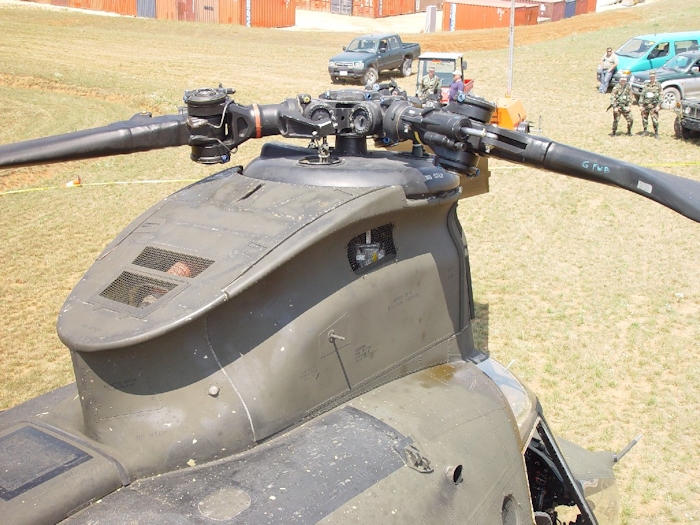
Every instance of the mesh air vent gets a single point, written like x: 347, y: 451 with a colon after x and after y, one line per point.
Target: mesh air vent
x: 172, y: 262
x: 137, y: 290
x: 371, y: 249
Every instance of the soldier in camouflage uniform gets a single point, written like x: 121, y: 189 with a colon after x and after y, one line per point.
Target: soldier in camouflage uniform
x: 621, y: 104
x: 650, y: 102
x: 429, y: 84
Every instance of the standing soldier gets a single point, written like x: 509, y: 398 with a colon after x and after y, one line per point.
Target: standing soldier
x: 429, y: 84
x: 621, y: 104
x: 650, y: 102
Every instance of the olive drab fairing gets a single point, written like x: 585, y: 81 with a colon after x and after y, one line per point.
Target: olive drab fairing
x: 291, y: 342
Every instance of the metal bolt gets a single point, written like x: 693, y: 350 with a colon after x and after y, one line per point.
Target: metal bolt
x: 213, y: 391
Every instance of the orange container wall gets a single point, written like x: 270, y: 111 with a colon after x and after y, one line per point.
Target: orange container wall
x: 62, y: 3
x: 166, y: 9
x: 586, y: 6
x: 552, y: 9
x: 384, y: 8
x: 185, y: 10
x: 229, y: 12
x: 458, y: 15
x: 269, y: 13
x: 206, y: 11
x: 363, y: 8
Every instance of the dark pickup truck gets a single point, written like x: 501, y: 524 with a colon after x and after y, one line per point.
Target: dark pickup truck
x: 367, y: 56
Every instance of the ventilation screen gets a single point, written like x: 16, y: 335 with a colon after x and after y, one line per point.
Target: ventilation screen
x: 137, y: 290
x: 172, y: 262
x: 372, y: 248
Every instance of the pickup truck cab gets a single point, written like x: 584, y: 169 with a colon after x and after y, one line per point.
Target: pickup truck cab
x: 679, y: 78
x: 366, y: 56
x: 646, y: 52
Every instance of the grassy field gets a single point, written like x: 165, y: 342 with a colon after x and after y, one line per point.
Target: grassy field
x: 592, y: 292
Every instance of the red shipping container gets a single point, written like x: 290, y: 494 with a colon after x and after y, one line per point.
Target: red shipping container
x: 458, y: 15
x: 229, y: 12
x: 586, y: 6
x: 268, y: 13
x: 166, y: 9
x: 552, y: 9
x: 206, y: 11
x: 384, y: 8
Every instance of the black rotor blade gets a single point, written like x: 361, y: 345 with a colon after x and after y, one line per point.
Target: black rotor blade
x: 677, y: 193
x: 140, y: 133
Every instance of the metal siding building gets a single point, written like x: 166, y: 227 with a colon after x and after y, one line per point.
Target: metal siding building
x: 146, y: 8
x: 230, y: 12
x: 552, y: 9
x: 459, y: 15
x: 570, y: 8
x: 586, y: 6
x: 206, y: 11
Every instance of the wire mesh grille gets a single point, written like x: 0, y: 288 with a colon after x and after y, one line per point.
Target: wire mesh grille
x: 173, y: 263
x: 371, y: 248
x: 137, y: 290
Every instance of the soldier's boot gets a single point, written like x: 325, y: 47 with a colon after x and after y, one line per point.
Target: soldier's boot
x: 614, y: 130
x: 644, y: 133
x: 629, y: 130
x: 656, y: 133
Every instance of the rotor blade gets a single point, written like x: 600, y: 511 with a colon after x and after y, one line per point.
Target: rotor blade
x: 140, y: 133
x: 677, y: 193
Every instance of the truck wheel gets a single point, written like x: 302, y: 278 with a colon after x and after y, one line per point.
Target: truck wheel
x: 406, y: 67
x: 670, y: 97
x: 370, y: 77
x: 335, y: 80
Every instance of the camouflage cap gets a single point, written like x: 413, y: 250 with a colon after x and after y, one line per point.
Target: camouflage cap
x: 652, y: 73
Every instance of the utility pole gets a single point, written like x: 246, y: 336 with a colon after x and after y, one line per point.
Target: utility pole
x: 511, y: 43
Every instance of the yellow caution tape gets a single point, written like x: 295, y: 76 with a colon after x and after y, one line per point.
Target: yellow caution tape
x: 113, y: 183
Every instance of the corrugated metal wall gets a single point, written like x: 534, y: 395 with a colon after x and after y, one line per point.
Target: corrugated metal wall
x: 206, y: 11
x: 186, y: 10
x: 384, y: 8
x: 229, y: 12
x: 315, y: 5
x: 570, y: 8
x: 146, y: 8
x: 552, y: 9
x: 585, y: 6
x: 269, y: 13
x: 166, y: 9
x: 122, y: 7
x: 457, y: 16
x: 364, y: 8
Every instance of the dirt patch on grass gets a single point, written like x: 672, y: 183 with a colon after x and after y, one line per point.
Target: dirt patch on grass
x: 488, y: 39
